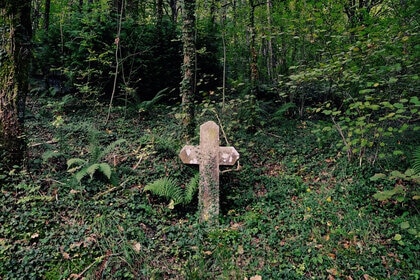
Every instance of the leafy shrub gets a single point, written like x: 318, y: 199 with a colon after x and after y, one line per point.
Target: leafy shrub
x: 406, y: 186
x: 366, y: 127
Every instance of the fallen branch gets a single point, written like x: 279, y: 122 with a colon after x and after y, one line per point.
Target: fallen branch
x: 54, y: 141
x: 110, y: 190
x: 239, y: 167
x: 97, y: 260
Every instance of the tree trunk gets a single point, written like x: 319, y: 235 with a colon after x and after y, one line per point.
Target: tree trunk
x: 270, y: 55
x: 254, y: 76
x: 188, y: 68
x: 14, y: 72
x: 174, y: 10
x: 47, y: 15
x: 159, y: 13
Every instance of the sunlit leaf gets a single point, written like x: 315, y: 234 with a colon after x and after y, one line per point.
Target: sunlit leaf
x: 137, y: 247
x: 405, y: 225
x: 385, y: 195
x: 105, y: 168
x: 397, y: 237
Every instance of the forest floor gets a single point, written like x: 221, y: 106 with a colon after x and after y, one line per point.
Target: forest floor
x: 295, y: 209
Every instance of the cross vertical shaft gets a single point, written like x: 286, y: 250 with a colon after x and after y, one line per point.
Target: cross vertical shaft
x: 209, y: 156
x: 208, y: 202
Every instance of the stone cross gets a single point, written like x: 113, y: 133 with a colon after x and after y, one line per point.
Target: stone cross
x: 208, y: 155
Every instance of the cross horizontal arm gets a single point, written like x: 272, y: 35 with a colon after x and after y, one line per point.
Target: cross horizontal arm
x: 191, y: 155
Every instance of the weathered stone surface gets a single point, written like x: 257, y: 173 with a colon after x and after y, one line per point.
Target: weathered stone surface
x: 191, y: 155
x: 208, y: 155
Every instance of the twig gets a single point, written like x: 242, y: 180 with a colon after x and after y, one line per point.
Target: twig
x: 221, y: 127
x: 104, y: 192
x: 110, y: 190
x: 54, y: 141
x: 138, y: 163
x: 238, y: 167
x: 274, y: 135
x: 97, y: 260
x: 78, y: 276
x: 117, y: 66
x: 340, y: 131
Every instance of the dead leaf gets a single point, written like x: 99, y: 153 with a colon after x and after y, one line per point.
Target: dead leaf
x: 35, y: 235
x: 332, y: 272
x: 137, y: 247
x: 91, y: 239
x: 331, y: 255
x: 236, y: 226
x: 346, y: 244
x: 66, y: 256
x: 256, y: 277
x: 240, y: 250
x: 76, y: 245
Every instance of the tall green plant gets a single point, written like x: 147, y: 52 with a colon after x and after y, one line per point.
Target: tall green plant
x: 366, y: 127
x: 88, y: 167
x: 170, y: 189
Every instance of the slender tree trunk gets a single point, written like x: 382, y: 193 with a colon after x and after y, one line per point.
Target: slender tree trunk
x: 47, y: 15
x: 45, y: 66
x: 159, y: 13
x: 14, y: 72
x: 174, y: 10
x: 213, y: 14
x: 223, y: 34
x: 188, y: 68
x: 253, y: 52
x: 270, y: 55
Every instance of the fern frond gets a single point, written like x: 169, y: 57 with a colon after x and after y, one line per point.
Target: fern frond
x: 279, y: 114
x: 105, y: 169
x: 110, y: 148
x: 94, y: 145
x: 168, y: 188
x: 82, y: 173
x: 146, y: 105
x: 75, y: 161
x: 191, y: 188
x: 91, y: 169
x: 95, y: 153
x: 50, y: 154
x: 416, y: 160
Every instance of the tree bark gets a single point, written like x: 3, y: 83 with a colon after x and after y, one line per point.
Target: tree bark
x: 188, y: 68
x: 254, y: 75
x: 14, y: 73
x: 174, y: 10
x: 270, y: 54
x: 159, y: 13
x: 47, y: 15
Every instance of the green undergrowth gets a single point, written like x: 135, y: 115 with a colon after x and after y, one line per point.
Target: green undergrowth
x: 295, y: 208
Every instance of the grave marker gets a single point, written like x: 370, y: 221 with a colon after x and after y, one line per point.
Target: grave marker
x: 208, y: 155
